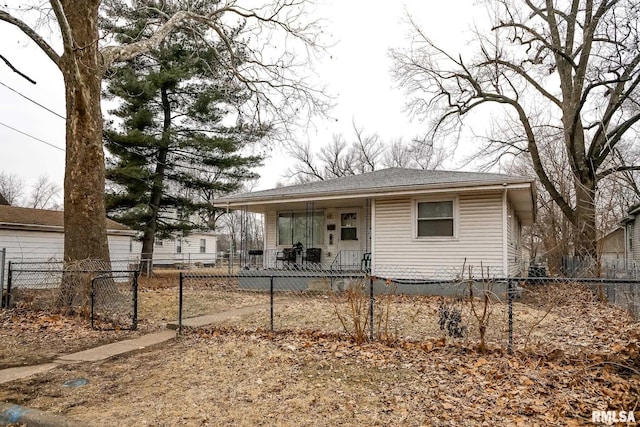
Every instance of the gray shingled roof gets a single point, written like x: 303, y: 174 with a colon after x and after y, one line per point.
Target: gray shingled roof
x: 393, y: 179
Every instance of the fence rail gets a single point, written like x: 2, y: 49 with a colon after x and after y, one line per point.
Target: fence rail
x: 383, y: 307
x: 391, y: 304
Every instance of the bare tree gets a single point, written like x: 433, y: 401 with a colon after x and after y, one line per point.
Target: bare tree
x: 551, y: 236
x: 276, y: 85
x: 236, y: 227
x: 366, y: 152
x: 44, y: 194
x: 417, y: 153
x: 12, y: 188
x: 554, y: 69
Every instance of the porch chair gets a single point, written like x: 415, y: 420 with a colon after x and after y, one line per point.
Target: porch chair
x: 286, y: 256
x: 313, y: 255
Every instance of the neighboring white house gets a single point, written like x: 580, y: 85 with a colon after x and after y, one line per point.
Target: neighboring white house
x: 631, y: 234
x: 403, y: 220
x: 197, y: 247
x: 38, y: 234
x: 611, y: 245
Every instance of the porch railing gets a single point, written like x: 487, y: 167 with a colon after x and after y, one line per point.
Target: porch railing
x: 344, y: 260
x: 348, y: 260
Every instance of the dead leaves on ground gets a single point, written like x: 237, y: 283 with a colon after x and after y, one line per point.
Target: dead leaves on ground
x: 30, y: 337
x: 552, y: 388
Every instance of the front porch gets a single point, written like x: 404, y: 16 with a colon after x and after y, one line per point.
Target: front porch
x: 332, y: 235
x: 306, y: 259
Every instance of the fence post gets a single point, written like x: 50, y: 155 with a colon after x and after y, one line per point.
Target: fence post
x: 510, y: 299
x: 180, y: 306
x: 7, y: 299
x: 371, y: 306
x: 134, y: 324
x: 92, y: 294
x: 271, y: 292
x: 3, y: 257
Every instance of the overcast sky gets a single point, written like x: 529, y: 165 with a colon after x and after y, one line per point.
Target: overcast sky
x: 357, y: 73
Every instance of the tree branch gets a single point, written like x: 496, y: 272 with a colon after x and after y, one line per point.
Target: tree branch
x: 29, y: 32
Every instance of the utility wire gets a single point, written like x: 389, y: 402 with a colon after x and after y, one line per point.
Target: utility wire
x: 33, y: 137
x: 35, y: 102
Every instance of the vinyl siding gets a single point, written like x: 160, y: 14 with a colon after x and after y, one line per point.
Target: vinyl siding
x: 24, y: 245
x: 32, y: 245
x: 167, y: 253
x: 479, y: 238
x: 271, y: 230
x: 119, y: 249
x: 636, y: 240
x: 514, y: 243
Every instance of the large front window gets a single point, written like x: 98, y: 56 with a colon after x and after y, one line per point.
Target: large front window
x: 435, y: 219
x: 303, y: 227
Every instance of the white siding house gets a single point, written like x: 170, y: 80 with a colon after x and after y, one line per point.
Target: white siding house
x: 38, y: 234
x: 197, y: 247
x: 630, y: 227
x: 406, y: 221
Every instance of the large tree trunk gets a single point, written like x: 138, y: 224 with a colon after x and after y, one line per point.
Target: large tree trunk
x: 85, y: 233
x: 84, y: 208
x: 585, y: 219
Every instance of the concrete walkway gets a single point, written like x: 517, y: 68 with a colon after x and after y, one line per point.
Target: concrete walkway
x: 121, y: 347
x: 200, y: 321
x: 91, y: 355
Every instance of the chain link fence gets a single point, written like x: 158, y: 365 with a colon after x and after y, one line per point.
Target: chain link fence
x: 114, y: 300
x: 470, y: 306
x: 106, y: 292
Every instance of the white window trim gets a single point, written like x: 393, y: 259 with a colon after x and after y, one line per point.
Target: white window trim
x: 357, y: 226
x: 414, y: 219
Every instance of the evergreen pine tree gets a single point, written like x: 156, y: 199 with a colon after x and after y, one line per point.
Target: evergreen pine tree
x: 180, y: 140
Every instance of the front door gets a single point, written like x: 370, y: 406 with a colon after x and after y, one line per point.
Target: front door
x: 350, y: 234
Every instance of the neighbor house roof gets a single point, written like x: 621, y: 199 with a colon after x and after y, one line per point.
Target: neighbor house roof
x: 384, y: 182
x: 633, y: 210
x: 3, y: 201
x: 14, y: 217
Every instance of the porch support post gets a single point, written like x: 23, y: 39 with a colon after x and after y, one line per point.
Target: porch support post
x: 372, y: 238
x: 505, y: 234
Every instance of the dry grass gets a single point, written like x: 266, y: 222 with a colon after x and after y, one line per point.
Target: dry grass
x: 221, y: 377
x: 573, y: 355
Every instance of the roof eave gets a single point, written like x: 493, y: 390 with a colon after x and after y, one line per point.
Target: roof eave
x: 380, y: 192
x: 55, y: 228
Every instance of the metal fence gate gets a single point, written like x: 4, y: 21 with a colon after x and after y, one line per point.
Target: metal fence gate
x: 108, y: 297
